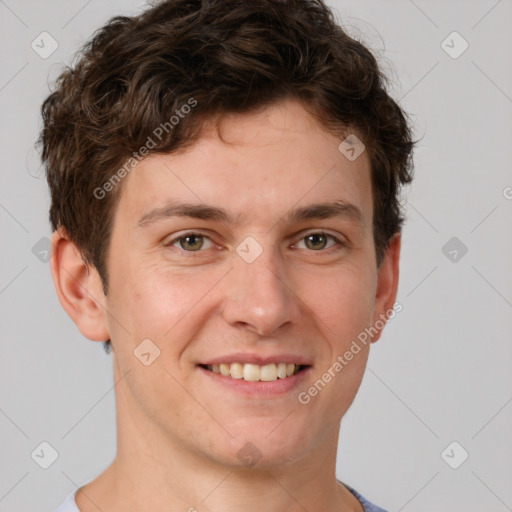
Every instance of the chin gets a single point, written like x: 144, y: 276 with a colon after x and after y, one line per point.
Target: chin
x: 273, y: 444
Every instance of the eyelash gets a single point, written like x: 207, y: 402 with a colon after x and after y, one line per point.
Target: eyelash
x: 338, y: 243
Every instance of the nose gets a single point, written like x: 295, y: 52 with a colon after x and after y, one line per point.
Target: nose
x: 259, y: 295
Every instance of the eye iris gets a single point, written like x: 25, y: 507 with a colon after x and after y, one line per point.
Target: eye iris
x: 314, y: 238
x: 194, y: 246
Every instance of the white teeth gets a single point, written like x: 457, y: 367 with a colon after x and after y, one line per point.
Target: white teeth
x: 281, y: 370
x: 254, y: 372
x: 251, y: 371
x: 236, y: 370
x: 268, y: 372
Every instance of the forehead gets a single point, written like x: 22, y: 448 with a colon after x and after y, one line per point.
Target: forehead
x: 255, y: 166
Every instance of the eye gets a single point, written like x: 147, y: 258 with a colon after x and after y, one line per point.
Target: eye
x: 195, y: 242
x: 318, y: 241
x: 190, y: 242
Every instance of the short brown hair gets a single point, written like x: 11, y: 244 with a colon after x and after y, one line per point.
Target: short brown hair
x: 227, y: 56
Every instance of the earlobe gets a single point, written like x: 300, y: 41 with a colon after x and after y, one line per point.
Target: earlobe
x: 387, y: 285
x: 78, y: 287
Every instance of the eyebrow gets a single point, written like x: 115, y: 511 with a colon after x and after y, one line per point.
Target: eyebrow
x: 205, y: 211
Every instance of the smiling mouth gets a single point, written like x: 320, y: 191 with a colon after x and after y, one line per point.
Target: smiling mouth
x: 253, y: 372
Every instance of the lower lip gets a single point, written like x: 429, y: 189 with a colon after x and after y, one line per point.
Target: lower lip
x: 258, y: 388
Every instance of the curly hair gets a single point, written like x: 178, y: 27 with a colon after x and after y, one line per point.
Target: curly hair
x: 213, y: 56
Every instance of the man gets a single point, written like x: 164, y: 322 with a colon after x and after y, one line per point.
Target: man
x: 225, y: 182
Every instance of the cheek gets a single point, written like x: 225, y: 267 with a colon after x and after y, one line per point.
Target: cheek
x: 164, y: 305
x: 343, y: 299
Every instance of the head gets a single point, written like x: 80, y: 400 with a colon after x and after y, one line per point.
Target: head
x: 240, y: 106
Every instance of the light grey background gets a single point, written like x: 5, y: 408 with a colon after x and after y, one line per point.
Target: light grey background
x: 442, y: 371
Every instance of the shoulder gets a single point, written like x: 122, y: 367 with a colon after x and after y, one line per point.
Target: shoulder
x: 367, y: 506
x: 69, y: 504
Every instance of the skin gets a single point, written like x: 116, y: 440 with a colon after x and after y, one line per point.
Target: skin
x: 178, y: 433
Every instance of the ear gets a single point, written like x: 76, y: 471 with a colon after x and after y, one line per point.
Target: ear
x: 387, y: 286
x: 78, y: 287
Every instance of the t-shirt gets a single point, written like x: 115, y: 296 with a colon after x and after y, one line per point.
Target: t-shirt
x: 367, y: 506
x: 69, y: 504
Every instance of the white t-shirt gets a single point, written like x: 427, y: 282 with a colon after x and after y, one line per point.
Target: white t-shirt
x: 69, y: 504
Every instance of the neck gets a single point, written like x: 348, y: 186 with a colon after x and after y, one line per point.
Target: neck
x: 154, y: 471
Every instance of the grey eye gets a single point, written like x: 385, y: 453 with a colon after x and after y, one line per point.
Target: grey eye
x: 316, y: 241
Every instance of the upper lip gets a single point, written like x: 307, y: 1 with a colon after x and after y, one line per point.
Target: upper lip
x: 260, y: 360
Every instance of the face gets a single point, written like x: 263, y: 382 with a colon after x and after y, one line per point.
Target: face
x: 251, y: 271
